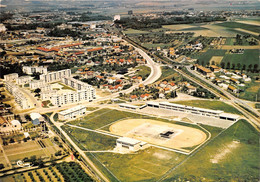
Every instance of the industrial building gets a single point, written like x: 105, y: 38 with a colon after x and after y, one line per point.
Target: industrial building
x: 72, y: 112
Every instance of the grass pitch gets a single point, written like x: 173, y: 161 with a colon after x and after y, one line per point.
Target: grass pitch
x: 232, y: 156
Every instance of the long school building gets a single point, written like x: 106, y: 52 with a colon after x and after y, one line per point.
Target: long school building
x: 72, y: 112
x: 194, y: 110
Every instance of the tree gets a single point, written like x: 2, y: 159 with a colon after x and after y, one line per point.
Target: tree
x: 2, y: 166
x: 37, y: 90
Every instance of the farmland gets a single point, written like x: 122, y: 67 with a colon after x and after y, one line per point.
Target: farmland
x: 249, y: 57
x: 234, y: 25
x: 61, y: 172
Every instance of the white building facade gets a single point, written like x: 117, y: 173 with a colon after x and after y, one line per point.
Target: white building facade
x: 23, y: 80
x: 55, y: 76
x: 72, y: 112
x: 194, y: 110
x: 34, y: 69
x: 11, y: 77
x: 19, y: 97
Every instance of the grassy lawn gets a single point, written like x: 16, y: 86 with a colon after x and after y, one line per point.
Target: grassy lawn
x: 133, y: 31
x: 235, y: 161
x: 91, y: 108
x: 66, y: 87
x: 96, y: 119
x: 250, y: 56
x: 145, y: 165
x: 166, y: 72
x: 252, y: 91
x: 144, y: 71
x: 87, y: 140
x: 216, y: 105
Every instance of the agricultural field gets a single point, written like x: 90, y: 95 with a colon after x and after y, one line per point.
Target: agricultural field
x: 235, y: 25
x: 249, y: 57
x: 60, y: 172
x: 41, y: 148
x: 251, y: 91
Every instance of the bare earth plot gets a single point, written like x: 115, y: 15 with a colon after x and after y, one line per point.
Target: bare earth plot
x: 148, y: 130
x: 217, y: 60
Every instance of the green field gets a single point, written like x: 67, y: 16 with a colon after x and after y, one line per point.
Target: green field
x: 145, y: 165
x: 253, y: 28
x: 194, y: 29
x: 216, y: 105
x: 230, y: 41
x: 133, y: 31
x: 250, y: 56
x: 235, y: 154
x: 251, y: 92
x: 87, y: 140
x: 239, y: 162
x: 166, y: 72
x: 144, y: 71
x: 150, y: 45
x: 204, y: 57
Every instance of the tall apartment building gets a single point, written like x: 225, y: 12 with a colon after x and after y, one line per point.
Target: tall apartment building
x: 23, y: 80
x: 39, y: 84
x: 18, y: 95
x: 55, y: 76
x: 62, y: 97
x: 11, y: 77
x: 74, y: 83
x: 34, y: 69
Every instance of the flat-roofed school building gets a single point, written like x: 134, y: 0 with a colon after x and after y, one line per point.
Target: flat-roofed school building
x: 72, y: 112
x: 129, y: 143
x: 194, y: 110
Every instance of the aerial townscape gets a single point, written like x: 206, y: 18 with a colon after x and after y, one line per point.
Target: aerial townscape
x: 129, y: 91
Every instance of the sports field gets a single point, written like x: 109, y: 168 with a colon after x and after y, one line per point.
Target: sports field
x: 149, y: 130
